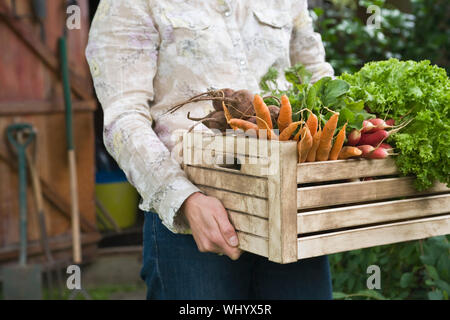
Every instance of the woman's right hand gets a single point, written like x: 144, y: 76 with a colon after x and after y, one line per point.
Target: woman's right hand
x: 211, y: 228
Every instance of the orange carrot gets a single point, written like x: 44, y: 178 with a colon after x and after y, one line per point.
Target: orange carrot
x: 263, y: 120
x: 316, y: 141
x: 287, y: 133
x: 227, y: 115
x: 338, y: 143
x: 243, y: 125
x: 312, y: 123
x: 305, y: 144
x: 285, y: 115
x: 348, y: 152
x: 327, y: 137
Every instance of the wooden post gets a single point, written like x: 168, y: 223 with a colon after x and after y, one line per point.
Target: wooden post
x: 282, y: 202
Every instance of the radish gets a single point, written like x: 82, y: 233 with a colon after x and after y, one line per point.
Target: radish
x: 375, y: 138
x: 390, y: 122
x: 354, y: 137
x: 386, y: 146
x: 378, y: 153
x: 367, y: 126
x: 369, y: 152
x: 366, y: 150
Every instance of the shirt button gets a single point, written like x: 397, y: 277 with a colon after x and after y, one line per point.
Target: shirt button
x: 242, y: 62
x: 227, y: 13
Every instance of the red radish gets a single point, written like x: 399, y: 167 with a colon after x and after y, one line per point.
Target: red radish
x: 375, y: 138
x: 366, y: 150
x: 367, y: 126
x: 380, y: 124
x: 378, y: 153
x: 354, y: 137
x: 390, y: 122
x: 386, y: 146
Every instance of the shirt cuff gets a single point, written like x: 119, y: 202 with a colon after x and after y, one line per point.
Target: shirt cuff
x: 170, y: 201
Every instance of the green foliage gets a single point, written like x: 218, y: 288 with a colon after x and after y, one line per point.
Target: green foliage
x: 411, y: 270
x: 349, y: 45
x: 417, y: 36
x: 321, y: 97
x: 411, y: 90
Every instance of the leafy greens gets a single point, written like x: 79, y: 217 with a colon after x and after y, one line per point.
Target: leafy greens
x: 406, y: 90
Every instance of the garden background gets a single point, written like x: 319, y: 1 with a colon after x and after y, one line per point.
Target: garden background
x: 416, y: 30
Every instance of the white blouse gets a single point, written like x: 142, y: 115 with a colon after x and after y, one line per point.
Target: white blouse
x: 147, y: 55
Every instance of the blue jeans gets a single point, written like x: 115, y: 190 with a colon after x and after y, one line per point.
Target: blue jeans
x: 174, y: 269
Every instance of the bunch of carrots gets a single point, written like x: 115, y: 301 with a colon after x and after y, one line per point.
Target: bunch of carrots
x: 313, y: 143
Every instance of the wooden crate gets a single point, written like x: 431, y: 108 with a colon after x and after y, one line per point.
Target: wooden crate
x: 288, y: 211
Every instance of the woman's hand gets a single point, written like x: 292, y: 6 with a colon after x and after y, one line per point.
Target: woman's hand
x: 210, y: 225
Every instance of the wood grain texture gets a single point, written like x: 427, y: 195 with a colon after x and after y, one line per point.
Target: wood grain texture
x: 334, y: 242
x: 329, y: 219
x: 226, y: 180
x: 253, y: 244
x: 249, y: 224
x: 248, y: 165
x: 353, y: 192
x: 239, y: 202
x: 344, y: 169
x: 234, y: 144
x: 282, y: 204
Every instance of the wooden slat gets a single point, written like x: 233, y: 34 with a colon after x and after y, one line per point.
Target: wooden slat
x: 239, y: 202
x: 253, y: 244
x: 230, y: 144
x: 43, y: 107
x: 252, y: 166
x: 352, y: 192
x: 344, y: 217
x: 282, y: 203
x: 344, y: 169
x: 235, y: 182
x: 372, y: 236
x: 249, y: 224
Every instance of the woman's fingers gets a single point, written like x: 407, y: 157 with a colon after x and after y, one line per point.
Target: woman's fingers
x: 211, y: 228
x: 225, y: 226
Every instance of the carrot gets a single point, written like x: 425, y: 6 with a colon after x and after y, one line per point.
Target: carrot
x: 243, y: 125
x: 338, y: 143
x: 262, y: 113
x: 312, y: 153
x: 285, y: 115
x: 327, y: 137
x: 227, y: 114
x: 287, y: 133
x: 312, y: 123
x: 305, y: 144
x: 348, y: 152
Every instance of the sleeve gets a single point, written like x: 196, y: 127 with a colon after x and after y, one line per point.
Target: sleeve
x: 306, y: 45
x: 122, y: 54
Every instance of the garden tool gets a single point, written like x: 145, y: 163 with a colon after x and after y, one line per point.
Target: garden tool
x: 37, y: 190
x: 22, y: 281
x: 71, y: 152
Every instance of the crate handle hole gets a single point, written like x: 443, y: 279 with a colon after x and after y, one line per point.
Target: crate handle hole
x: 228, y: 162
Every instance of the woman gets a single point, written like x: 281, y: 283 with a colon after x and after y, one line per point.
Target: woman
x: 145, y: 56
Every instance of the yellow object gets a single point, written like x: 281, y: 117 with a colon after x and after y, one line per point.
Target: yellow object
x: 121, y: 201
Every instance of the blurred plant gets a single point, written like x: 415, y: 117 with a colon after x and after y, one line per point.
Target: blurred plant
x: 411, y: 270
x: 349, y: 43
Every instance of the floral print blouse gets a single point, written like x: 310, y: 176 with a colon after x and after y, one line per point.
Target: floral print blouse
x: 147, y: 55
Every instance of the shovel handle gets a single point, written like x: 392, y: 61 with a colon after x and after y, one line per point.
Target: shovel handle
x: 15, y: 133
